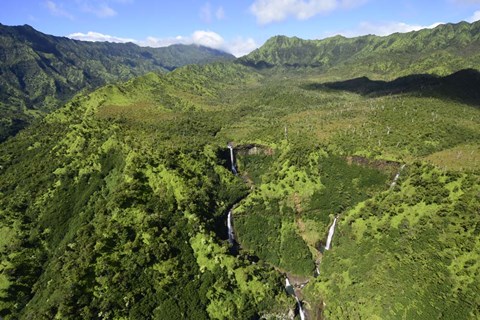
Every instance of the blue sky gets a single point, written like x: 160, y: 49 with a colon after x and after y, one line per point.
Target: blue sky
x: 234, y: 26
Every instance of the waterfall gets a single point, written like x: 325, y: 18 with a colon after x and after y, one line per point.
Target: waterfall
x: 290, y: 290
x: 232, y: 160
x: 394, y: 182
x: 330, y: 234
x: 300, y: 310
x: 229, y: 226
x: 287, y: 283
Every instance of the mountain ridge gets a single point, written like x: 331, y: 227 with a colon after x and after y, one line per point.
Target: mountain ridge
x: 40, y: 72
x: 115, y: 205
x: 395, y: 53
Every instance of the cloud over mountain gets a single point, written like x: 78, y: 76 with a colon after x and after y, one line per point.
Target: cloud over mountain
x: 384, y: 28
x: 238, y: 46
x: 96, y: 36
x: 268, y: 11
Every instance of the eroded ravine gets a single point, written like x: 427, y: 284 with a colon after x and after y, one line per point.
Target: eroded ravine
x: 292, y: 281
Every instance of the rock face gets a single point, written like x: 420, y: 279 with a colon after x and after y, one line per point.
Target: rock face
x: 379, y: 164
x: 253, y: 149
x: 291, y: 314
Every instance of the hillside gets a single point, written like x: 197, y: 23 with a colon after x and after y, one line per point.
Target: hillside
x: 116, y: 204
x: 442, y: 50
x: 362, y: 191
x: 40, y: 72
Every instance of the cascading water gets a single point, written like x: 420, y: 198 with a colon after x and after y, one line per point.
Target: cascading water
x: 230, y: 228
x: 330, y: 234
x: 290, y: 290
x: 232, y: 160
x: 394, y: 182
x: 287, y: 284
x: 300, y: 310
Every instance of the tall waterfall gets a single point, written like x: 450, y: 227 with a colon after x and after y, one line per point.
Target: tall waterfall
x: 394, y: 182
x: 330, y: 234
x: 232, y: 160
x: 287, y: 284
x: 229, y: 226
x: 289, y: 288
x: 300, y: 310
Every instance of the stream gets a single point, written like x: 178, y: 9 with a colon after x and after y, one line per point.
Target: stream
x: 232, y: 159
x: 231, y: 238
x: 330, y: 234
x: 234, y: 245
x: 291, y: 290
x: 394, y: 182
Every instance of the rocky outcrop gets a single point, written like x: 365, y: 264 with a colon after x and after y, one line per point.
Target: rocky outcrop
x: 253, y: 149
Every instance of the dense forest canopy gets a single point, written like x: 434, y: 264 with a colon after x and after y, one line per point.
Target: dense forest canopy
x: 41, y: 72
x: 115, y: 205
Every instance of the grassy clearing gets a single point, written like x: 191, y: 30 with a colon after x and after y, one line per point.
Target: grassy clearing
x: 457, y: 158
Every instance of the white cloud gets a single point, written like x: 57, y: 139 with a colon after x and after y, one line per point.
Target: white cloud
x: 474, y: 17
x: 96, y: 36
x: 57, y: 10
x: 349, y: 4
x: 466, y: 1
x: 384, y: 29
x: 220, y: 13
x: 268, y: 11
x: 208, y: 39
x: 241, y: 46
x: 162, y: 42
x: 207, y: 13
x: 238, y: 47
x: 99, y: 8
x: 200, y: 37
x: 102, y: 11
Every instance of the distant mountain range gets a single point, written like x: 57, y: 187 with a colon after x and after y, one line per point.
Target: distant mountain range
x: 441, y: 50
x: 121, y: 203
x: 39, y: 72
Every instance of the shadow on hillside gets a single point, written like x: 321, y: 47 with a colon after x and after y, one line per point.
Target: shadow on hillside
x: 462, y: 86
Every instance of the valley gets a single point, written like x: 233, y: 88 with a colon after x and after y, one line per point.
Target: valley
x: 364, y: 186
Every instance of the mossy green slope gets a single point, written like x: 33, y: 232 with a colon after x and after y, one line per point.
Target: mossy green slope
x: 442, y: 50
x: 120, y: 223
x: 40, y: 72
x: 408, y: 253
x: 114, y: 206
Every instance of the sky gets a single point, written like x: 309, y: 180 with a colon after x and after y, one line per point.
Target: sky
x: 235, y: 26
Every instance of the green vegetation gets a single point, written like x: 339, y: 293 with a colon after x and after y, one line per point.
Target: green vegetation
x: 118, y: 226
x: 345, y: 186
x: 114, y: 206
x: 42, y: 72
x: 443, y: 50
x: 407, y: 253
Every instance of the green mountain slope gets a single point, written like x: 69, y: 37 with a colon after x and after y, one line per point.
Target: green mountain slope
x: 115, y: 205
x: 39, y: 72
x: 442, y: 50
x: 121, y: 222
